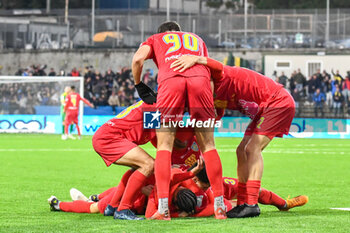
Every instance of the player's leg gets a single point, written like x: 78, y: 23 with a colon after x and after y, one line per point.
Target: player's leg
x: 242, y: 170
x: 170, y: 102
x: 144, y: 163
x: 63, y: 115
x: 75, y: 206
x: 201, y: 108
x: 267, y: 197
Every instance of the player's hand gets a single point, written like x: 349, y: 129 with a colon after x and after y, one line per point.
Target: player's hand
x: 183, y: 63
x: 146, y: 93
x: 147, y: 189
x: 199, y: 167
x: 183, y: 214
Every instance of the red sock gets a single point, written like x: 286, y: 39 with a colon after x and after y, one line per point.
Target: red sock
x: 105, y: 193
x: 78, y: 129
x: 214, y: 171
x: 120, y: 189
x: 76, y: 206
x: 66, y: 128
x: 267, y: 197
x: 162, y: 170
x: 135, y: 183
x: 242, y: 193
x: 253, y: 188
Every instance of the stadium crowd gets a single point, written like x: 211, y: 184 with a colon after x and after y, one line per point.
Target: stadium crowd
x: 101, y: 89
x: 321, y: 91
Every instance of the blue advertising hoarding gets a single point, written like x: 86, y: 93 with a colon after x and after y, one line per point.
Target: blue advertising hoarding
x: 230, y: 127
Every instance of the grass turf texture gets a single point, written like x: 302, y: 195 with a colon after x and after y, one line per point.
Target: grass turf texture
x: 34, y: 167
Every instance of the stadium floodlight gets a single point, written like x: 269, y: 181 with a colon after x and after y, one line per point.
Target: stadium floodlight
x: 24, y: 95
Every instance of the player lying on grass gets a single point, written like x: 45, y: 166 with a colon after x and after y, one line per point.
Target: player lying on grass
x: 183, y: 199
x: 117, y: 142
x: 71, y: 109
x: 271, y: 109
x: 266, y: 197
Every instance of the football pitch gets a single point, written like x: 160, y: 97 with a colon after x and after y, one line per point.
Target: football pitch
x: 34, y: 167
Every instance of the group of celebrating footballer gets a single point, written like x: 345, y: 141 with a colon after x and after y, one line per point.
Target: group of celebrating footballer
x: 185, y: 178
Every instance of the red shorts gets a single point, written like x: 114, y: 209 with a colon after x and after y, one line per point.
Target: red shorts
x: 174, y: 94
x: 111, y: 144
x: 274, y: 117
x: 71, y: 117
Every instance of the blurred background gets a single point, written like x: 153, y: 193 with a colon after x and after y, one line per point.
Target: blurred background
x: 304, y: 45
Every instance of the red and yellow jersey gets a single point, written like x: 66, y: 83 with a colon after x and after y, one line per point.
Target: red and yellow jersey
x: 189, y: 153
x: 130, y: 123
x: 72, y: 102
x: 167, y: 46
x: 242, y: 89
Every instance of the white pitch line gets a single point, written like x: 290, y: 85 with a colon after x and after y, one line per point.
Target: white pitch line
x: 153, y: 150
x: 42, y: 150
x: 345, y: 209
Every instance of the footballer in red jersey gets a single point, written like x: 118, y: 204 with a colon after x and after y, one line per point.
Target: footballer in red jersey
x: 117, y: 141
x: 71, y: 109
x: 177, y: 90
x: 271, y: 109
x: 266, y: 197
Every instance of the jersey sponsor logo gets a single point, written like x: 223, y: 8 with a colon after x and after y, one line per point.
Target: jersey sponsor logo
x: 191, y: 160
x: 229, y: 181
x: 151, y: 120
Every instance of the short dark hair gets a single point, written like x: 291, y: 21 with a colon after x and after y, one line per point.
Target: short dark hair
x: 72, y: 87
x: 202, y: 175
x: 169, y: 26
x: 186, y: 201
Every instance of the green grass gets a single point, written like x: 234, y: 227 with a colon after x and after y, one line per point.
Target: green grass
x: 34, y: 167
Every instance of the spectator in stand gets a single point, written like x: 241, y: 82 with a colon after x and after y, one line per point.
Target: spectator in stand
x: 292, y: 83
x: 300, y: 82
x: 297, y: 97
x: 147, y: 76
x: 337, y: 77
x: 312, y: 85
x: 346, y: 88
x: 338, y: 101
x: 74, y: 72
x: 113, y: 101
x: 274, y: 76
x: 328, y: 89
x: 283, y: 79
x: 318, y: 98
x: 52, y: 72
x: 319, y: 75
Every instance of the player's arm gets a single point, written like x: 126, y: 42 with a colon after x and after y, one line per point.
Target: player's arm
x: 187, y: 61
x: 137, y: 62
x: 182, y: 176
x: 145, y: 92
x: 86, y: 102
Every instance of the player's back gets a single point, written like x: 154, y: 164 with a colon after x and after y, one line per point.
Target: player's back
x: 130, y: 122
x: 249, y: 85
x: 167, y: 46
x: 73, y: 101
